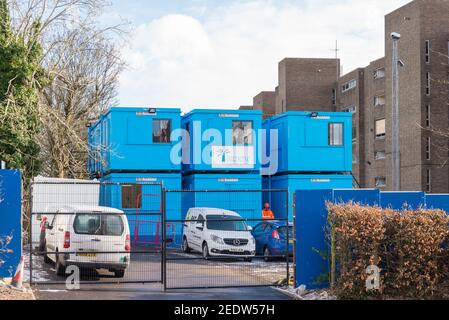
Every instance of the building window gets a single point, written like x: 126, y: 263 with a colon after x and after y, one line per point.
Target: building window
x: 334, y: 97
x: 336, y: 134
x: 428, y: 149
x: 161, y: 131
x: 428, y: 116
x: 242, y: 133
x: 379, y: 73
x: 351, y: 109
x: 355, y: 159
x: 428, y: 180
x: 379, y: 101
x: 380, y: 155
x: 349, y: 86
x: 428, y: 79
x: 380, y: 128
x: 132, y: 196
x: 428, y: 49
x: 381, y: 182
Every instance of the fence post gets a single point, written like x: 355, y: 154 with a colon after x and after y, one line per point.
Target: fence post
x: 288, y: 238
x: 164, y: 239
x: 31, y: 233
x: 294, y: 240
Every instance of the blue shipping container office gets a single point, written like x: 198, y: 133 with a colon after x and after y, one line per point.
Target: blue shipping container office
x: 247, y: 204
x: 294, y: 182
x: 236, y: 150
x: 139, y: 196
x: 134, y: 140
x: 311, y: 142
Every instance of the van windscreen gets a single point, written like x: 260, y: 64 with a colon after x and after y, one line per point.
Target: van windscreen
x: 225, y: 223
x: 98, y: 225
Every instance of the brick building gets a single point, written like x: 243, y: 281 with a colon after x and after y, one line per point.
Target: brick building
x: 311, y: 84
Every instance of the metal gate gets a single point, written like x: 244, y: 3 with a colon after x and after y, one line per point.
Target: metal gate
x: 69, y: 227
x: 222, y: 241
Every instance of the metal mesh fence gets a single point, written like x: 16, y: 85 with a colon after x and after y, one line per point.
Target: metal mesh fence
x: 75, y: 229
x: 222, y: 240
x: 183, y: 239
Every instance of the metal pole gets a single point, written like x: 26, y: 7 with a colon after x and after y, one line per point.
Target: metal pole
x: 294, y: 239
x: 288, y: 240
x: 396, y: 156
x: 164, y: 240
x: 31, y: 233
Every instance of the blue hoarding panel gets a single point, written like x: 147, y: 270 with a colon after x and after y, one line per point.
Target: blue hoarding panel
x: 304, y: 142
x: 222, y: 141
x: 438, y: 201
x: 10, y: 222
x: 296, y: 182
x: 127, y: 140
x: 366, y: 197
x: 402, y: 200
x: 311, y: 248
x: 248, y: 204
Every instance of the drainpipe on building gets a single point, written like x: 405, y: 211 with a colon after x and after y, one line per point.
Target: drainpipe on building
x: 396, y: 152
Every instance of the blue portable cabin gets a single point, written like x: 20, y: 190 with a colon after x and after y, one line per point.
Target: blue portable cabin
x: 241, y: 193
x: 139, y: 195
x: 231, y: 141
x: 134, y: 140
x: 294, y: 182
x: 310, y: 142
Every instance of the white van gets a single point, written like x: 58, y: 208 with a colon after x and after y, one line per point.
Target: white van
x: 88, y: 237
x: 218, y: 232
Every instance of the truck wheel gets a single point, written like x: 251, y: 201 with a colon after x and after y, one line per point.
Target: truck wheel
x: 205, y: 251
x: 119, y: 273
x: 185, y: 246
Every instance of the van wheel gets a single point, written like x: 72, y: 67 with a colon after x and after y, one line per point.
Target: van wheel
x: 60, y: 269
x: 205, y: 251
x: 47, y: 260
x: 267, y: 254
x: 119, y: 273
x: 185, y: 246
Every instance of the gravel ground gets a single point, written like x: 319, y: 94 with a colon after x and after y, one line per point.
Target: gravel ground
x: 10, y: 294
x: 302, y: 293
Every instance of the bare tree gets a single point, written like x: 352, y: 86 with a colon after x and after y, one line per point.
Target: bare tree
x: 85, y: 85
x: 82, y: 63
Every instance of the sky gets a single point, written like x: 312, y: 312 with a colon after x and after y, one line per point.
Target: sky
x: 219, y: 54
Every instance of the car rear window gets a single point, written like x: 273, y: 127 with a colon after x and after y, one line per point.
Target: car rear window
x: 282, y: 231
x: 98, y: 225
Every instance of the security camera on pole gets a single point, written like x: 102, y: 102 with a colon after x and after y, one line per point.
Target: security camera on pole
x: 396, y: 151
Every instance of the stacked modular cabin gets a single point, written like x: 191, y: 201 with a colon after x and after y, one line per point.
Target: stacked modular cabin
x: 313, y: 151
x: 221, y: 156
x: 131, y: 154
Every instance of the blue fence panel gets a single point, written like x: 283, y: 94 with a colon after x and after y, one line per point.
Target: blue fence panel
x: 311, y: 217
x: 368, y: 197
x: 402, y: 200
x: 10, y: 222
x: 437, y: 201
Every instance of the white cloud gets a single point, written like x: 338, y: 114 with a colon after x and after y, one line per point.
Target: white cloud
x: 231, y: 54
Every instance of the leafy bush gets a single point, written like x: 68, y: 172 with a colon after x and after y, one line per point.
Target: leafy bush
x: 407, y: 246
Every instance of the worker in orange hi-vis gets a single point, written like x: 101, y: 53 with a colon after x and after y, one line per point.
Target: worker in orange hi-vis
x: 267, y: 214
